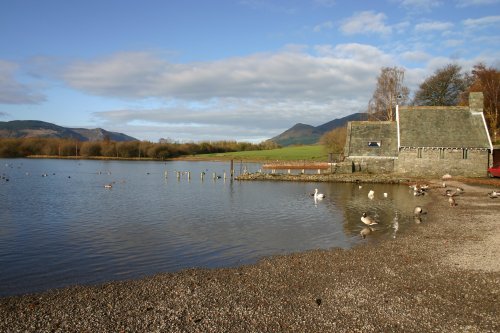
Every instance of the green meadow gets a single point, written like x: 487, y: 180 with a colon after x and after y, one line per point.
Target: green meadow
x: 310, y: 152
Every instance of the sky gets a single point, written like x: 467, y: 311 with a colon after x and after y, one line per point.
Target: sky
x: 244, y: 70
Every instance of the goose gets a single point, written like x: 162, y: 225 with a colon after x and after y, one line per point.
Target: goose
x: 494, y: 194
x: 371, y: 194
x: 446, y: 176
x: 418, y: 211
x: 368, y: 220
x: 318, y: 195
x: 450, y: 193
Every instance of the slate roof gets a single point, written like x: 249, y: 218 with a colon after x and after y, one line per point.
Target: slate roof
x: 360, y: 133
x: 438, y: 126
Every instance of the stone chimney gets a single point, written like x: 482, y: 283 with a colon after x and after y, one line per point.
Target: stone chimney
x: 476, y: 101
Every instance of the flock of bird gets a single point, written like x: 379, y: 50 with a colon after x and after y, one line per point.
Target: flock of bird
x: 417, y: 190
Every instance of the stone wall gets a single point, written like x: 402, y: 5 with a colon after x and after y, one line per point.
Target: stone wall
x: 372, y: 165
x: 435, y: 162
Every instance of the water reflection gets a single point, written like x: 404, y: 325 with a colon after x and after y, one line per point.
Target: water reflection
x: 67, y: 227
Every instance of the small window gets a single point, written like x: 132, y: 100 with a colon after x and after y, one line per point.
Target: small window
x: 375, y: 144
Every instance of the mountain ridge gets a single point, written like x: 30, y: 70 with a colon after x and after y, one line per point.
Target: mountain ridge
x: 304, y: 134
x: 42, y: 129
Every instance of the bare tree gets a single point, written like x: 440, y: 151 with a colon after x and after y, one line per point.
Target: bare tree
x: 389, y: 92
x: 443, y: 88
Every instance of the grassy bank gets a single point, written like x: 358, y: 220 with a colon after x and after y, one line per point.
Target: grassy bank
x: 311, y: 153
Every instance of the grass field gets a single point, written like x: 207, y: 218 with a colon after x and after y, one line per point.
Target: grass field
x: 311, y: 153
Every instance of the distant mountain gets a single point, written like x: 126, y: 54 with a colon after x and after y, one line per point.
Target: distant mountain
x: 306, y: 134
x: 41, y: 129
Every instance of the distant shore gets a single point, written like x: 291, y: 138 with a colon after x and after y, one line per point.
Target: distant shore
x: 443, y: 277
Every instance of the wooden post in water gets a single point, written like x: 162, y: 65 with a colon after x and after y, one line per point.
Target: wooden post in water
x: 166, y: 174
x: 224, y: 175
x: 202, y: 175
x: 231, y: 172
x: 189, y: 175
x: 178, y: 175
x: 215, y: 176
x: 319, y: 171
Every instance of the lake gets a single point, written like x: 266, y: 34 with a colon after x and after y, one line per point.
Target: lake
x: 60, y: 225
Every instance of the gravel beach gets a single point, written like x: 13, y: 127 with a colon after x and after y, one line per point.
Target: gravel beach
x: 442, y: 277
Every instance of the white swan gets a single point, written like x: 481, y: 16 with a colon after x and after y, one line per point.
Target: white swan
x: 371, y: 194
x: 318, y: 195
x: 367, y: 220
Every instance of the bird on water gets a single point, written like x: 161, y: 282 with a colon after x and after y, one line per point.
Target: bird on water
x: 368, y: 220
x: 318, y: 195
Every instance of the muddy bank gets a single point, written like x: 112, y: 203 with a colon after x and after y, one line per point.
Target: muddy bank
x: 443, y: 277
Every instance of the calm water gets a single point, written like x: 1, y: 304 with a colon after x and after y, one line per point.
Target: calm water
x: 59, y: 226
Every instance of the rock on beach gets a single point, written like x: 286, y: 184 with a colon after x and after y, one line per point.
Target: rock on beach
x: 442, y: 277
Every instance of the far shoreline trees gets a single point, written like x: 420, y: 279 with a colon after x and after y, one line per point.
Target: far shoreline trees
x: 24, y: 147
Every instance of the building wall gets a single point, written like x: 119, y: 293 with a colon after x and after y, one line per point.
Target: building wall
x: 436, y: 162
x: 372, y: 165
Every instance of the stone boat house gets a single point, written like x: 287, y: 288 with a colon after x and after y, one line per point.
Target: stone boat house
x: 423, y: 141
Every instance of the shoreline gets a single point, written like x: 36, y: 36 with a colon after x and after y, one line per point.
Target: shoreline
x: 444, y: 276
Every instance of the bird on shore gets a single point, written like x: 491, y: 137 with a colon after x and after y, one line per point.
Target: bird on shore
x: 418, y: 211
x: 450, y: 193
x: 494, y: 194
x: 452, y: 202
x: 368, y: 220
x: 318, y: 195
x: 446, y: 176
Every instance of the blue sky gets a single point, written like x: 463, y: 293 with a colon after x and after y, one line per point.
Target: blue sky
x: 241, y: 70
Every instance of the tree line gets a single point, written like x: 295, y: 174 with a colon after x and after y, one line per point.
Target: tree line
x: 23, y: 147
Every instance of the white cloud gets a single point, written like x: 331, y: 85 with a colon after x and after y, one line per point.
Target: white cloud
x: 264, y: 93
x: 415, y: 56
x: 482, y: 22
x: 325, y: 3
x: 12, y: 91
x: 468, y: 3
x: 283, y: 75
x: 367, y: 22
x: 453, y: 42
x: 433, y: 26
x: 323, y: 26
x: 420, y: 4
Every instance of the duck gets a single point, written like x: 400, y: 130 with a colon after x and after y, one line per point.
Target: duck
x: 108, y: 186
x: 368, y: 220
x: 318, y: 195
